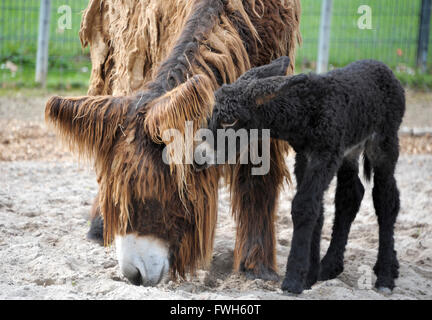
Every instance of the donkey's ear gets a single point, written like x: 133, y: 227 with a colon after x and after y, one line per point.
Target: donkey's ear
x: 192, y: 100
x: 87, y: 124
x: 278, y: 67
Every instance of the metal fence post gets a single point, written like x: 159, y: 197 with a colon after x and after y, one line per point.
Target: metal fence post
x: 423, y: 37
x: 43, y: 42
x: 324, y: 36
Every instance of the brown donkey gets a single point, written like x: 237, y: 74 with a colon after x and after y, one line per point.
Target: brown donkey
x: 156, y: 65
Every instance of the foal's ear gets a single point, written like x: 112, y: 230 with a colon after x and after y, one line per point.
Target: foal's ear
x: 89, y: 124
x: 278, y: 67
x: 265, y: 90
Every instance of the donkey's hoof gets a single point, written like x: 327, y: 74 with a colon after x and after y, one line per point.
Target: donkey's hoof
x: 97, y: 240
x: 95, y: 233
x: 292, y: 286
x: 263, y: 273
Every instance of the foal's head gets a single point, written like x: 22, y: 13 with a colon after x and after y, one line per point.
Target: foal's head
x: 236, y: 106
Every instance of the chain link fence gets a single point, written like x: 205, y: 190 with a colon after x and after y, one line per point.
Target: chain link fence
x: 68, y: 65
x: 391, y: 36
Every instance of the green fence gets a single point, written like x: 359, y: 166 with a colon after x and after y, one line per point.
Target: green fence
x: 69, y: 64
x: 392, y: 39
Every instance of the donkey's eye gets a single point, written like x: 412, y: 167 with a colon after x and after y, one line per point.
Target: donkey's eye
x: 229, y: 125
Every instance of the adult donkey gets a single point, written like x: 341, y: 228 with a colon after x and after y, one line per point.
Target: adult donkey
x: 156, y: 65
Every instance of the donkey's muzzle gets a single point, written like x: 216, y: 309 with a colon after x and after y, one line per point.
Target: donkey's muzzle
x: 143, y: 260
x: 136, y: 278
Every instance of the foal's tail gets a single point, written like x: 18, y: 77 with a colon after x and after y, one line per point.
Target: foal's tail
x: 367, y: 168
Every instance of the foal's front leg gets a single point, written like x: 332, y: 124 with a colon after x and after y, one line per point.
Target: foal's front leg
x: 314, y: 256
x: 306, y: 209
x: 301, y: 163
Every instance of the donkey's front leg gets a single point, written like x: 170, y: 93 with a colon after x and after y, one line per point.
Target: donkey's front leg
x: 254, y: 207
x: 306, y: 209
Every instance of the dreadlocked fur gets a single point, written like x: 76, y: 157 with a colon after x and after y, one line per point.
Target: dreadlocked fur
x: 175, y: 54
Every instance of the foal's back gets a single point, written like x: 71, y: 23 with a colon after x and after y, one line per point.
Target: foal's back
x: 379, y: 88
x: 374, y: 97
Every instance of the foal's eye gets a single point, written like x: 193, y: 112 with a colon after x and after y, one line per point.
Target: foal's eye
x: 229, y: 125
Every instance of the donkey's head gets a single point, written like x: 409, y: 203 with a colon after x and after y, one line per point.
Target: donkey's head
x: 155, y: 226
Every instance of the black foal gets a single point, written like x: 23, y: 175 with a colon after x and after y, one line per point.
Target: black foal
x: 329, y: 120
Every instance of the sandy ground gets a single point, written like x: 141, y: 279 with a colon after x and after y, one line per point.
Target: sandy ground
x: 45, y: 197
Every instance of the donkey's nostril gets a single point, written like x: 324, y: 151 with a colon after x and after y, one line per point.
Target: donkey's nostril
x: 137, y: 280
x: 134, y: 277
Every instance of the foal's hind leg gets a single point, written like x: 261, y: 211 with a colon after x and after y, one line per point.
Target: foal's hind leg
x: 386, y: 201
x: 349, y: 194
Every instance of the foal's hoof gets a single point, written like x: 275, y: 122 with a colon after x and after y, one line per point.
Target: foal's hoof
x: 291, y: 286
x: 310, y: 282
x: 329, y: 270
x: 263, y: 273
x: 385, y: 285
x: 385, y: 291
x: 394, y: 270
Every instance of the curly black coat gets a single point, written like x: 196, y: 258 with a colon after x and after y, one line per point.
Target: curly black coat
x: 329, y: 120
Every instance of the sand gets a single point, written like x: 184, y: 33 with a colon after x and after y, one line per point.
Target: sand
x: 43, y: 222
x: 45, y: 198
